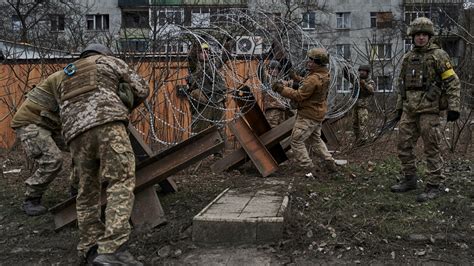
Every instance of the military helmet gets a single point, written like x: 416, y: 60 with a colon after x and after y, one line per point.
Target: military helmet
x: 421, y: 25
x: 204, y: 45
x: 320, y: 55
x: 274, y: 64
x: 96, y: 48
x: 364, y: 67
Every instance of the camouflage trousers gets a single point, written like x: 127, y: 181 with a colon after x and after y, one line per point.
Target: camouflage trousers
x: 104, y: 154
x: 205, y: 115
x: 411, y: 127
x: 40, y: 146
x: 308, y: 130
x: 360, y: 116
x: 275, y: 116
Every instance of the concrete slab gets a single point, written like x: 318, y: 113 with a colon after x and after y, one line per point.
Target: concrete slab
x: 237, y: 216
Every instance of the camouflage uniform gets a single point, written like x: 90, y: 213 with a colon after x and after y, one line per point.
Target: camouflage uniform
x: 361, y: 113
x: 37, y: 125
x: 426, y: 80
x: 208, y: 95
x: 311, y: 101
x: 94, y: 120
x: 274, y: 106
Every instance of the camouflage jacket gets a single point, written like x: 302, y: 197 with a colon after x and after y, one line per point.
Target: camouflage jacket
x: 40, y: 107
x: 367, y: 88
x: 427, y: 81
x: 311, y: 97
x: 89, y: 97
x: 206, y: 77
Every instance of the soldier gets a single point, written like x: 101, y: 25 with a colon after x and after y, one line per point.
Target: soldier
x: 94, y: 110
x: 207, y: 90
x: 37, y: 125
x: 311, y: 101
x: 275, y: 108
x: 360, y: 114
x: 428, y: 85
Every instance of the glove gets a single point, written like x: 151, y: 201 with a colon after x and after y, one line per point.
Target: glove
x: 126, y: 95
x: 452, y: 116
x: 277, y: 86
x: 399, y: 115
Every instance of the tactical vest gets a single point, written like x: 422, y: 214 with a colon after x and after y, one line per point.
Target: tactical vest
x: 420, y: 71
x: 86, y: 78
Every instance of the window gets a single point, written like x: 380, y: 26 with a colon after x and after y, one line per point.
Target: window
x: 373, y: 19
x: 342, y: 84
x: 309, y: 20
x: 97, y: 22
x: 135, y: 19
x: 384, y: 84
x: 381, y: 19
x: 173, y: 48
x: 170, y: 16
x: 408, y: 45
x: 134, y: 45
x: 343, y: 50
x: 343, y: 20
x: 16, y: 23
x: 57, y: 22
x: 381, y: 51
x: 201, y: 17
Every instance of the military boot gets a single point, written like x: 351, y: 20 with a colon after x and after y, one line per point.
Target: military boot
x: 107, y: 260
x: 431, y: 192
x: 410, y: 183
x: 33, y: 207
x: 330, y: 166
x: 127, y: 258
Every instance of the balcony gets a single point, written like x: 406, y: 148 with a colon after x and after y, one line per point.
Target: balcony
x: 133, y: 3
x: 200, y: 2
x: 435, y: 2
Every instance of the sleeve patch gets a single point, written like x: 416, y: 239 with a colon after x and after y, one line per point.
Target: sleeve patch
x: 448, y: 73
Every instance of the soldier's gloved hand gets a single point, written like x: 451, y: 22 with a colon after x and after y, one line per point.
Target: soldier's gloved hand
x: 277, y: 86
x: 452, y: 116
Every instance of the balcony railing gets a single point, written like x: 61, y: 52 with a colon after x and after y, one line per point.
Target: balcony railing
x: 200, y: 2
x: 427, y: 2
x: 133, y: 3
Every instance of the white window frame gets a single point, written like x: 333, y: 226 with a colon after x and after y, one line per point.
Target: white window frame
x: 387, y: 49
x: 309, y: 20
x: 16, y: 23
x: 343, y: 20
x: 103, y: 18
x: 342, y: 85
x: 378, y: 85
x: 342, y: 49
x: 373, y: 17
x: 170, y: 14
x: 201, y: 17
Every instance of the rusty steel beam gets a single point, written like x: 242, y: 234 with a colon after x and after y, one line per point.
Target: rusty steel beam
x: 255, y: 117
x: 260, y: 156
x: 142, y: 152
x: 151, y: 171
x: 269, y: 139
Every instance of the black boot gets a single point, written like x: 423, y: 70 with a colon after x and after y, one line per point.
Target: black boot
x: 330, y: 166
x: 33, y: 207
x: 107, y: 260
x: 410, y: 183
x: 431, y: 192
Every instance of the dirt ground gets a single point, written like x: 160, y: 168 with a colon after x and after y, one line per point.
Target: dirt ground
x: 348, y: 218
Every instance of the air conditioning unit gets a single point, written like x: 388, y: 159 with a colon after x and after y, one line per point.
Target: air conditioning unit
x: 249, y: 45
